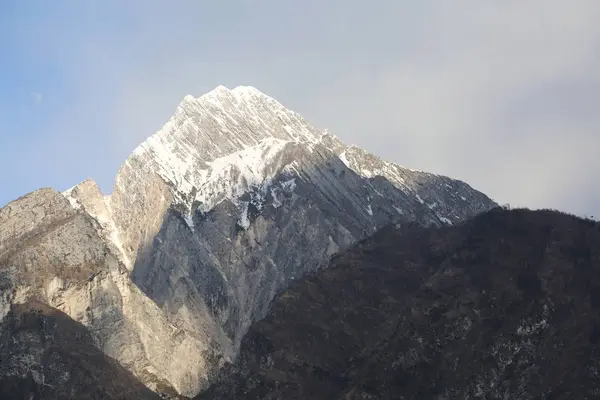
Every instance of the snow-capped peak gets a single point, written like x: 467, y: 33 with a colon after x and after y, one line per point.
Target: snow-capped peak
x: 228, y: 134
x: 247, y: 92
x: 239, y: 92
x: 215, y: 125
x: 216, y: 92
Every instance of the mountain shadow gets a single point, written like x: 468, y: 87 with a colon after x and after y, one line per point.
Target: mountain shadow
x: 503, y: 306
x: 44, y: 354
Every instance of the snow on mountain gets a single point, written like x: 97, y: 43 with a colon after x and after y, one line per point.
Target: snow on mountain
x: 223, y: 122
x: 184, y: 152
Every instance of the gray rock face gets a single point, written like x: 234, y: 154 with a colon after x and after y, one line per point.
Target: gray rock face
x: 209, y: 218
x: 36, y: 213
x: 62, y: 260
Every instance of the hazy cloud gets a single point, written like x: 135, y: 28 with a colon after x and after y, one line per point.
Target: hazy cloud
x: 501, y: 94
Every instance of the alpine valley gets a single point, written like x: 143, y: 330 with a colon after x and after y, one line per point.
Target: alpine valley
x: 150, y: 291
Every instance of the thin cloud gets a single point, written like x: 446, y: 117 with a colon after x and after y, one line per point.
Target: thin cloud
x: 499, y: 94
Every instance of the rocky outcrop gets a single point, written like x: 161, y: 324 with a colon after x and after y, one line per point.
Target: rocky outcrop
x: 505, y: 306
x: 62, y: 261
x: 210, y: 218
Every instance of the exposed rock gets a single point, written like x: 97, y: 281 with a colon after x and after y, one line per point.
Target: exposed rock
x: 505, y: 306
x: 68, y: 265
x: 36, y: 212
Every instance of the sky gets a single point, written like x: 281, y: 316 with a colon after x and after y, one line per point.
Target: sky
x: 502, y: 94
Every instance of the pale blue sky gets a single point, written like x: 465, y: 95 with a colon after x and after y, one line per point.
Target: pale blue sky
x: 502, y: 94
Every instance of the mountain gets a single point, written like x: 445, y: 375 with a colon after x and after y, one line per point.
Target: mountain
x: 504, y: 306
x: 210, y: 218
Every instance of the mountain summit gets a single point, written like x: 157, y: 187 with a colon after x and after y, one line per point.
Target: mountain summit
x: 211, y: 217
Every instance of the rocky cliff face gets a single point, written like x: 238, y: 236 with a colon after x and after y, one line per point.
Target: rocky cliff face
x: 60, y: 259
x: 230, y: 201
x: 505, y: 306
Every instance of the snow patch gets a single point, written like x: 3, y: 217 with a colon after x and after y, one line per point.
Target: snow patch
x: 284, y: 187
x: 189, y: 221
x: 289, y: 186
x: 55, y: 285
x: 245, y: 92
x: 112, y: 233
x: 68, y: 194
x: 250, y: 171
x: 276, y: 200
x: 244, y: 221
x: 344, y: 159
x: 369, y: 208
x: 232, y: 176
x: 528, y: 328
x: 445, y: 220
